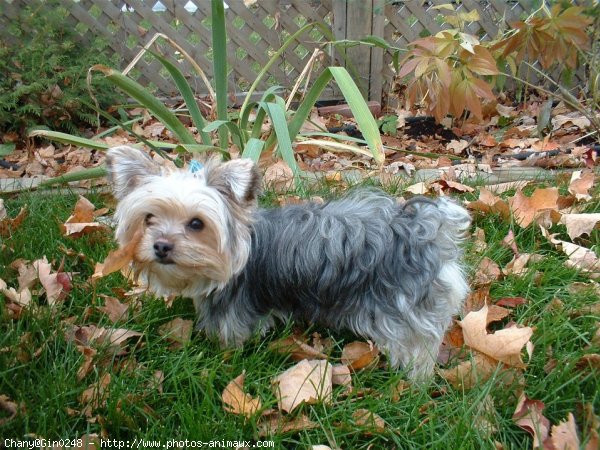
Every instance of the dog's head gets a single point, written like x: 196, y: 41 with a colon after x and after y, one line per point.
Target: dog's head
x: 193, y: 228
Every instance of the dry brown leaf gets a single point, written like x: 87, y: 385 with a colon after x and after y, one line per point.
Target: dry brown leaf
x: 95, y: 395
x: 55, y: 284
x: 580, y: 184
x: 475, y: 371
x: 82, y: 220
x: 118, y: 259
x: 298, y: 349
x: 518, y: 265
x: 564, y: 435
x: 504, y: 187
x: 487, y: 272
x: 479, y: 244
x: 114, y: 309
x: 114, y: 338
x: 358, y: 355
x: 21, y: 298
x: 528, y: 416
x: 453, y: 186
x: 580, y: 258
x: 340, y: 375
x: 511, y: 302
x: 419, y: 188
x: 88, y: 360
x: 503, y: 345
x: 590, y: 362
x: 526, y: 209
x: 476, y: 299
x: 367, y: 419
x: 484, y: 416
x: 509, y: 242
x: 457, y: 147
x: 6, y: 223
x: 279, y: 177
x: 236, y: 401
x: 488, y: 203
x: 278, y: 424
x: 307, y: 381
x: 578, y: 224
x: 9, y: 407
x: 177, y: 331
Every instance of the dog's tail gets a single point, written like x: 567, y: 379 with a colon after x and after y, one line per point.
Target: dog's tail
x: 442, y: 220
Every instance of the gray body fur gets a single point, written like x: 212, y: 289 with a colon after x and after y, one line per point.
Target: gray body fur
x: 388, y: 272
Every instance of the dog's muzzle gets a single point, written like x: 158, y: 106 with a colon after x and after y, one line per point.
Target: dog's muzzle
x: 163, y: 251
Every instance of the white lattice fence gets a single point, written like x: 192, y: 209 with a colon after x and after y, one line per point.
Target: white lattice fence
x: 408, y: 20
x: 256, y: 32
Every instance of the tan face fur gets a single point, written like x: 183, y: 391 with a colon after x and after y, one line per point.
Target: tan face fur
x: 195, y: 226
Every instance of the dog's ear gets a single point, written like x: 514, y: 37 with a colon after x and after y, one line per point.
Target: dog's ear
x: 127, y: 168
x: 238, y: 179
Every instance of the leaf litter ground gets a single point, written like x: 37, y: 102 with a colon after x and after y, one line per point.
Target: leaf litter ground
x: 520, y: 368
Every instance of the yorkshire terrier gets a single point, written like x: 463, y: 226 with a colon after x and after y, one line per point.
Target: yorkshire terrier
x: 386, y: 271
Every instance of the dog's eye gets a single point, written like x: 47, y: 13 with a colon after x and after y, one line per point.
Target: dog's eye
x: 196, y: 224
x: 148, y: 218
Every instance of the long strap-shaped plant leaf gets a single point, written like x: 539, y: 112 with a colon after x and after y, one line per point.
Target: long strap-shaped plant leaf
x: 358, y: 106
x: 150, y: 102
x: 219, y: 47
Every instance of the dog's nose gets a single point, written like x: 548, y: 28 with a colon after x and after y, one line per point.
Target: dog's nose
x: 162, y: 249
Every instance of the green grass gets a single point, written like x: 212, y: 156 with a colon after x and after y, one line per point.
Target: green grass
x: 189, y: 407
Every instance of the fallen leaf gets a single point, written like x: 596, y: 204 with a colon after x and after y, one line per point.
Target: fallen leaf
x: 509, y: 241
x: 7, y: 225
x: 55, y: 286
x: 118, y: 259
x: 340, y: 375
x: 476, y: 299
x: 82, y: 220
x: 114, y: 338
x: 419, y: 188
x: 590, y: 362
x: 278, y: 424
x: 457, y: 147
x: 358, y: 355
x: 88, y: 359
x: 580, y: 258
x: 484, y: 416
x: 367, y: 419
x: 518, y: 265
x: 479, y: 244
x: 487, y: 272
x: 114, y: 309
x: 307, y: 381
x: 564, y: 435
x: 526, y: 209
x: 580, y: 184
x: 475, y: 371
x: 528, y: 416
x: 511, y: 302
x: 298, y: 349
x: 488, y: 203
x: 177, y: 331
x: 503, y: 187
x: 95, y: 395
x: 279, y: 177
x: 453, y: 186
x: 503, y: 345
x: 578, y: 224
x: 9, y: 407
x: 236, y: 401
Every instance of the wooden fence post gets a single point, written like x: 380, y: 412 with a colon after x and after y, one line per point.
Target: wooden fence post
x: 354, y: 20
